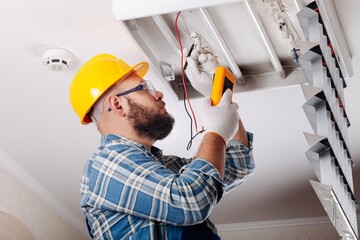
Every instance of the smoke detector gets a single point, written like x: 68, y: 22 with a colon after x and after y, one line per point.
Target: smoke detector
x: 57, y: 59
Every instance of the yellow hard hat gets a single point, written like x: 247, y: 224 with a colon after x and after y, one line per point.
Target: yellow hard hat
x: 95, y: 77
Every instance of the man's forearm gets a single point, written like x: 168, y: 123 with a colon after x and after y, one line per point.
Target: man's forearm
x: 212, y: 149
x: 241, y: 135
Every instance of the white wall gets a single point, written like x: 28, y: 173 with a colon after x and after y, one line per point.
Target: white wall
x: 42, y: 221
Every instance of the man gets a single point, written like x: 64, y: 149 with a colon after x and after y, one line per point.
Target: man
x: 129, y: 189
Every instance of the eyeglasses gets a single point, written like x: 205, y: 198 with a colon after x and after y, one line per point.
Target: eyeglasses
x: 146, y: 85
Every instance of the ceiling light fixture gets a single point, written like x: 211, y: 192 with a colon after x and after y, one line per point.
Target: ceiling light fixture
x: 57, y: 59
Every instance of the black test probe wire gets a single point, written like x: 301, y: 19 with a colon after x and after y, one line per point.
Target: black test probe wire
x: 185, y: 92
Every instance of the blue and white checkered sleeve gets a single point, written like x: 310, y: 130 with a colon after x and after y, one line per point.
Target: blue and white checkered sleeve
x: 139, y: 185
x: 239, y: 163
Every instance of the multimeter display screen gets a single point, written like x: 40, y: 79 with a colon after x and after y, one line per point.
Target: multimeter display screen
x: 227, y: 84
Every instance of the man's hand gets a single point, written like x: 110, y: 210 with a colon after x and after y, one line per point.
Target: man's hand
x: 200, y: 70
x: 222, y: 119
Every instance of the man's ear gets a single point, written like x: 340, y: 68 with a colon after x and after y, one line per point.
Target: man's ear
x: 117, y: 105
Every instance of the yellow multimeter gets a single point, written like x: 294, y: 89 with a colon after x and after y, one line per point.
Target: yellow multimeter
x: 222, y: 80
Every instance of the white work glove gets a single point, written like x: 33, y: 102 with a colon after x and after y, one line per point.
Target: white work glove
x: 200, y: 70
x: 222, y: 119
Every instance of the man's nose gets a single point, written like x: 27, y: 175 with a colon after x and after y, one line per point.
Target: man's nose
x: 158, y: 96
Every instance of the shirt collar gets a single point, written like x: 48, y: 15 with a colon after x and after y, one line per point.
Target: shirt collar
x: 107, y: 138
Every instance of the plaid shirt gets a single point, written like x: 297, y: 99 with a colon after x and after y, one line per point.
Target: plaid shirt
x: 129, y: 192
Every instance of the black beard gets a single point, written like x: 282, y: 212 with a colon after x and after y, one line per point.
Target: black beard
x: 148, y: 123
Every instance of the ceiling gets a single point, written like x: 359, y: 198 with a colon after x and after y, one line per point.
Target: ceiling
x: 43, y: 142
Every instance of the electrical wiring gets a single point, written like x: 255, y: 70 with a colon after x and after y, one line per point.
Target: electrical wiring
x: 186, y: 98
x: 289, y: 33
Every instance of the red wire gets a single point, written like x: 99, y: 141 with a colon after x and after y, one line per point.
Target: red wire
x: 182, y: 69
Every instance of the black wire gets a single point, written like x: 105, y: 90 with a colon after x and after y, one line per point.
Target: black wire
x: 188, y: 146
x: 192, y: 138
x: 191, y: 120
x: 184, y: 90
x: 188, y: 55
x: 184, y: 95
